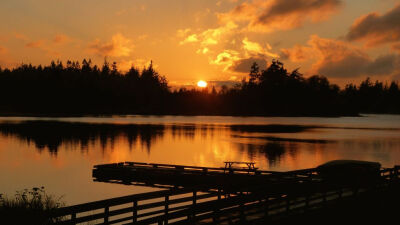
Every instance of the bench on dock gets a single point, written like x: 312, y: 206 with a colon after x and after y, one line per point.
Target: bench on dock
x: 250, y: 166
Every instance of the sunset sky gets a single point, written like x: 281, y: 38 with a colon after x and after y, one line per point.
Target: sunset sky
x: 212, y: 40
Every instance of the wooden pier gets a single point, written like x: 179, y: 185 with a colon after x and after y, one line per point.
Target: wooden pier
x: 206, y: 206
x: 180, y: 176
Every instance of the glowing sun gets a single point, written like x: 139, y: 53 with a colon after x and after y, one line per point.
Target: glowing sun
x: 202, y: 83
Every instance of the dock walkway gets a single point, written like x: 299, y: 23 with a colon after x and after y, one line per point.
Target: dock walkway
x: 174, y: 176
x: 206, y: 206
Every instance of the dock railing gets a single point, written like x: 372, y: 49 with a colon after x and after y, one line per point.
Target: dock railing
x: 187, y: 206
x: 132, y: 208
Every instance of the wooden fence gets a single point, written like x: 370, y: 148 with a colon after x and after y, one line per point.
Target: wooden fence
x: 183, y: 206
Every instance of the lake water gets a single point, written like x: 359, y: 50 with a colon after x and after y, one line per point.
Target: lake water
x: 59, y: 153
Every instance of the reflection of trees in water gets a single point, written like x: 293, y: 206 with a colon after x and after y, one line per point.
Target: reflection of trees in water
x: 51, y: 135
x: 273, y: 151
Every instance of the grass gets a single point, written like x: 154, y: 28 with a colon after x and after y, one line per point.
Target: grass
x: 30, y: 206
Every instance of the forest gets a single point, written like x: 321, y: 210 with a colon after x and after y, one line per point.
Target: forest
x: 82, y: 88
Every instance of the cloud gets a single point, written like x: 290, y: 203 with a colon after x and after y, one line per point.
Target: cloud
x: 182, y: 32
x: 224, y: 47
x: 118, y: 46
x: 35, y: 44
x: 3, y: 50
x: 340, y: 59
x: 208, y: 37
x: 376, y: 29
x: 190, y: 39
x: 227, y: 57
x: 296, y: 54
x: 235, y: 62
x: 6, y: 60
x: 61, y: 39
x: 271, y: 15
x: 254, y: 48
x: 21, y: 37
x: 244, y: 65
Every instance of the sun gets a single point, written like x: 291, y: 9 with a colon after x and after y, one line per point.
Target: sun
x: 202, y: 84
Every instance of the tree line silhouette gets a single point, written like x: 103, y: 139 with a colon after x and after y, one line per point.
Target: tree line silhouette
x: 83, y: 88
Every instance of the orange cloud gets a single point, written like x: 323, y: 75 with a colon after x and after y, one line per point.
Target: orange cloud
x: 190, y: 39
x: 267, y: 16
x: 3, y: 50
x: 21, y: 37
x: 5, y: 59
x: 254, y: 48
x: 296, y: 54
x: 118, y: 46
x: 208, y: 37
x: 61, y: 39
x: 376, y: 29
x: 35, y: 44
x: 340, y: 59
x: 227, y: 58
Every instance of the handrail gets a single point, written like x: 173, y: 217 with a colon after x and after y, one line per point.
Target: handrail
x: 191, y: 205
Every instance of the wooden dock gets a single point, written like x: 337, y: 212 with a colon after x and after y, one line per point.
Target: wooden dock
x: 180, y: 176
x: 199, y: 206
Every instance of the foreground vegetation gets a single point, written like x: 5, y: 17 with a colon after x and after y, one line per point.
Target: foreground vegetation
x: 82, y: 88
x: 28, y: 207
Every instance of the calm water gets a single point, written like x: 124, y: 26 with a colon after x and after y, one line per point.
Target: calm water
x: 60, y: 153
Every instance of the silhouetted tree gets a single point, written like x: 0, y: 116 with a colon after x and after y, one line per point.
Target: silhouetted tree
x: 83, y: 88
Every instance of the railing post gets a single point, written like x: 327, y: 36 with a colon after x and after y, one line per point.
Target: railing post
x: 73, y: 218
x: 266, y: 207
x: 242, y: 217
x: 106, y: 215
x: 287, y: 204
x: 216, y: 211
x: 135, y: 211
x: 194, y: 204
x: 307, y: 201
x: 166, y: 209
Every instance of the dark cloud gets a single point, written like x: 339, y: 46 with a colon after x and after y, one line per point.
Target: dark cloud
x: 354, y: 65
x: 296, y: 11
x: 281, y: 14
x: 117, y: 47
x: 376, y: 29
x: 244, y: 65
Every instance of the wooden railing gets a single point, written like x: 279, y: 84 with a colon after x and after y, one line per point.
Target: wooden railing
x: 132, y: 208
x: 185, y: 206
